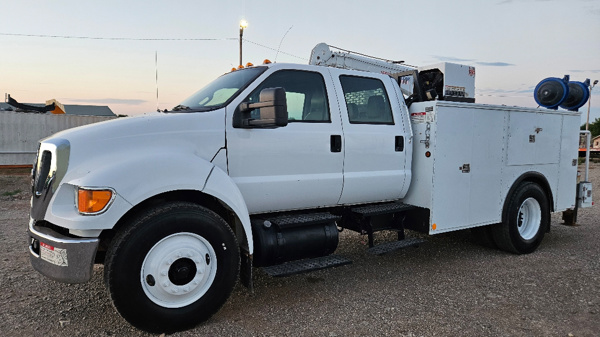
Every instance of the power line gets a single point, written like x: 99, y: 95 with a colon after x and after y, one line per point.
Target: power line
x: 150, y: 39
x: 117, y: 38
x: 275, y: 50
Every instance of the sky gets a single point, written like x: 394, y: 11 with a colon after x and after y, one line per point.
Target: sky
x: 117, y: 53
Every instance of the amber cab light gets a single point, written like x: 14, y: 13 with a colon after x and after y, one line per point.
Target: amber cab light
x: 93, y: 201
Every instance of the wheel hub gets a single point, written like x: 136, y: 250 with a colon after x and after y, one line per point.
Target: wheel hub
x: 529, y: 218
x: 182, y: 271
x: 176, y: 271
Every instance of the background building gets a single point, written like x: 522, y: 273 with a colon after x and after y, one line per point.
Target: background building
x: 20, y: 131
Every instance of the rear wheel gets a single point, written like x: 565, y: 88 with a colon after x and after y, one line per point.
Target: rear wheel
x: 527, y: 217
x: 172, y: 268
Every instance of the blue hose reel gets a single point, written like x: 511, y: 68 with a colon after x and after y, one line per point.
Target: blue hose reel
x: 553, y: 92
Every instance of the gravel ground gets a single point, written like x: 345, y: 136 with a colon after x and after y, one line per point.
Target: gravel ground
x: 447, y: 287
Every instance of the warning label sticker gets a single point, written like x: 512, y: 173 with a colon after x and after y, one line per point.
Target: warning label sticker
x: 422, y: 117
x: 57, y: 256
x: 418, y: 117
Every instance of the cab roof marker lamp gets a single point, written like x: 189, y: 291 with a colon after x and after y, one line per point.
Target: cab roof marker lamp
x: 94, y: 201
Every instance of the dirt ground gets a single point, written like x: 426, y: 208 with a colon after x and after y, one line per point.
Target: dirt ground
x: 449, y: 286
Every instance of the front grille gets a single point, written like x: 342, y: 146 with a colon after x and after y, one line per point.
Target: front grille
x: 42, y: 173
x: 47, y: 174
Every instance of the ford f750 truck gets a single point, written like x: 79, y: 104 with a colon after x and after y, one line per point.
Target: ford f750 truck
x: 264, y: 166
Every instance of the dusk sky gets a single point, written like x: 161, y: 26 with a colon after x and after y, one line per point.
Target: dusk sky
x: 103, y: 52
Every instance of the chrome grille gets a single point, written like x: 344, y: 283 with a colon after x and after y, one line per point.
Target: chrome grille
x: 42, y: 178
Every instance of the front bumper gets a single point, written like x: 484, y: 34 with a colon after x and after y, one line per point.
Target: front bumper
x: 59, y: 257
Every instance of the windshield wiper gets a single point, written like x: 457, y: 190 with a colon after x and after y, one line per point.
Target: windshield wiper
x: 180, y: 107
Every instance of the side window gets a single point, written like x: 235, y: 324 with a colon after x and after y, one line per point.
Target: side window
x: 366, y: 100
x: 305, y: 93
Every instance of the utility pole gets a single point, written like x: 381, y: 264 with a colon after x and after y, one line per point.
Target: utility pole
x: 243, y: 25
x: 587, y: 122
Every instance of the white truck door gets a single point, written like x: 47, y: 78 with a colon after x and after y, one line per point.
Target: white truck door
x: 297, y: 166
x: 376, y: 137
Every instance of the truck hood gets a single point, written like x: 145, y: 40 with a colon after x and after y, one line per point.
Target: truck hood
x: 191, y: 134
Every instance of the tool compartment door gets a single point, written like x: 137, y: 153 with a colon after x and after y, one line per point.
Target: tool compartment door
x: 533, y: 138
x: 468, y: 160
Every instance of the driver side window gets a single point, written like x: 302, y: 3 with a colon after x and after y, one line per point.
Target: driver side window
x: 305, y: 94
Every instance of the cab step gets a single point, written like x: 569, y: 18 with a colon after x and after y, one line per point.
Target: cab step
x: 379, y: 209
x: 306, y: 265
x: 395, y: 245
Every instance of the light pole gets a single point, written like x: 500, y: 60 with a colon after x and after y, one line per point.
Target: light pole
x: 587, y: 122
x: 243, y: 25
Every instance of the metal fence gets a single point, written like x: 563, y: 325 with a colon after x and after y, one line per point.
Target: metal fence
x: 20, y: 133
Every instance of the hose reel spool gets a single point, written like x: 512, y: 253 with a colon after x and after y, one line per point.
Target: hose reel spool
x: 553, y: 92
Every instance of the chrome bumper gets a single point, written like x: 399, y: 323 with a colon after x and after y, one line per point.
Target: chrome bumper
x: 59, y: 257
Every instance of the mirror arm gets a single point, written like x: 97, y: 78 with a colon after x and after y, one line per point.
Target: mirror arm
x: 246, y: 106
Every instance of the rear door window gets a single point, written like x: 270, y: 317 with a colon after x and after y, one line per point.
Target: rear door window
x: 367, y: 101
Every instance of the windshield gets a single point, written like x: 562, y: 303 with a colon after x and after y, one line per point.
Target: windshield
x: 220, y: 91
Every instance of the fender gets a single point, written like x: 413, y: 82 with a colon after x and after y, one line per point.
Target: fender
x: 222, y: 187
x: 532, y: 176
x: 134, y: 178
x: 139, y: 178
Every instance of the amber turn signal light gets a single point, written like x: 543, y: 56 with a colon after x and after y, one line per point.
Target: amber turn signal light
x: 93, y: 201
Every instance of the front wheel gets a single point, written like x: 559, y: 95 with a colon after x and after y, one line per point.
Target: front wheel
x: 172, y: 268
x: 527, y: 217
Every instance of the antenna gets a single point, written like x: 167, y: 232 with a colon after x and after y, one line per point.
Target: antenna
x: 156, y: 71
x: 280, y: 42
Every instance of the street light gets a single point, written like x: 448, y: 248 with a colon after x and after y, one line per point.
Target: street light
x: 587, y: 122
x: 243, y: 25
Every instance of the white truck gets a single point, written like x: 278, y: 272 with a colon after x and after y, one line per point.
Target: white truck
x: 263, y: 167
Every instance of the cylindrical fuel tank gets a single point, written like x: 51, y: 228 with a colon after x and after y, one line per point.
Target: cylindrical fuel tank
x: 275, y: 244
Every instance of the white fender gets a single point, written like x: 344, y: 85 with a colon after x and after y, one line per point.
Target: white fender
x: 222, y: 187
x: 134, y: 178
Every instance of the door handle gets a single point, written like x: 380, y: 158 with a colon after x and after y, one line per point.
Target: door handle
x: 336, y: 143
x: 399, y: 146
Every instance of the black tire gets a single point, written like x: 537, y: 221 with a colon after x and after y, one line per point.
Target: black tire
x: 482, y: 235
x: 526, y: 220
x: 176, y: 244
